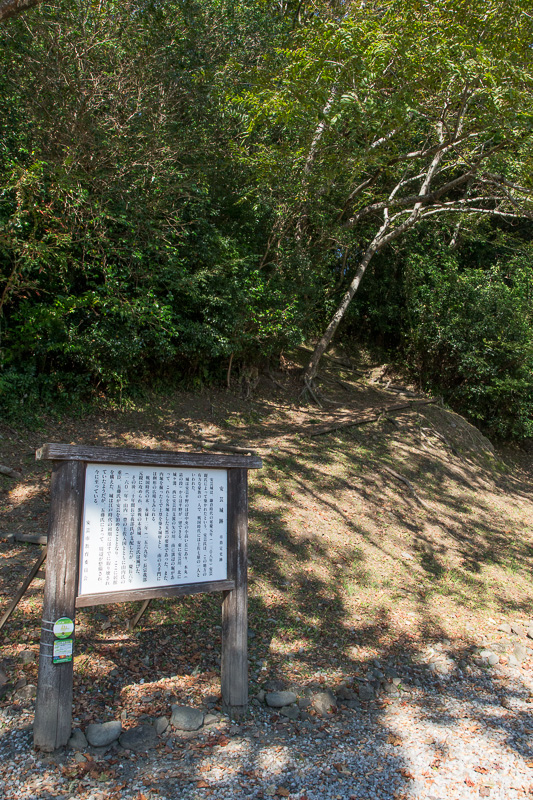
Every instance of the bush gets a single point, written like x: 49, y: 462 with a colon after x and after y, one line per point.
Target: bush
x: 469, y: 337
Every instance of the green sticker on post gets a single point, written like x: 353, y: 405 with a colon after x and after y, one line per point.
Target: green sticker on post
x: 63, y: 628
x: 63, y: 649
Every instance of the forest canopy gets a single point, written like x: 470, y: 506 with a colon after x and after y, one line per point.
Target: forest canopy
x: 183, y: 183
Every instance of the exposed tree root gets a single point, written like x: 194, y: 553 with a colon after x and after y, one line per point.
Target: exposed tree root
x: 409, y: 486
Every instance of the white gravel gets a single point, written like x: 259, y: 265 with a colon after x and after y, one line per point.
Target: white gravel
x: 466, y: 732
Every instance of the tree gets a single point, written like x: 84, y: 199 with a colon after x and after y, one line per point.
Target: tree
x: 396, y: 113
x: 124, y: 250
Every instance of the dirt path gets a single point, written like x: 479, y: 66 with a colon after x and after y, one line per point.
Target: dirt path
x: 378, y: 541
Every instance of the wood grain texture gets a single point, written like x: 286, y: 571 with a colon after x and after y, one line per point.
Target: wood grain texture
x: 131, y: 595
x: 53, y: 708
x: 234, y: 661
x: 159, y: 458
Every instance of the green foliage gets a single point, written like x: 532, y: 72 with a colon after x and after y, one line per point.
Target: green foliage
x: 470, y: 337
x: 177, y: 182
x: 128, y: 250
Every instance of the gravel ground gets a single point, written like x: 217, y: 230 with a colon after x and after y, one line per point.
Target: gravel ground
x: 443, y: 726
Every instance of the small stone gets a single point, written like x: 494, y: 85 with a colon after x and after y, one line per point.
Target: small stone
x: 345, y: 693
x: 161, y: 724
x: 493, y: 659
x: 324, y: 702
x: 519, y: 652
x: 261, y: 694
x: 390, y: 688
x: 518, y: 629
x: 139, y: 739
x: 304, y: 702
x: 530, y: 632
x: 512, y: 661
x: 78, y: 740
x: 26, y: 693
x: 3, y: 678
x: 79, y: 758
x: 210, y: 719
x: 353, y: 704
x: 185, y: 718
x: 27, y: 656
x: 366, y: 692
x: 280, y: 699
x: 99, y: 753
x: 506, y: 703
x: 103, y: 734
x: 505, y: 627
x: 500, y: 647
x: 438, y: 668
x: 20, y: 683
x: 291, y: 712
x: 251, y: 634
x: 396, y: 681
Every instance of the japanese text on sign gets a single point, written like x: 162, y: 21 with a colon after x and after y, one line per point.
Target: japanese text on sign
x: 145, y: 527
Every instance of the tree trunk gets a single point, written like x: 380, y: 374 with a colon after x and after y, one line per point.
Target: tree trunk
x: 380, y: 239
x: 324, y: 341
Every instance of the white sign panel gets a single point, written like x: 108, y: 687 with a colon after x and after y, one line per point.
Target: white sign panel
x: 146, y: 527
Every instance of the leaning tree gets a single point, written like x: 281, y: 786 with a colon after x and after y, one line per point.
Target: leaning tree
x: 396, y: 113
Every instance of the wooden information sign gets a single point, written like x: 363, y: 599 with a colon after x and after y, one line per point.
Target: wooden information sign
x: 134, y: 525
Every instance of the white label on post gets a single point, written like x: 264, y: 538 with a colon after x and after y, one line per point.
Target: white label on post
x: 146, y: 527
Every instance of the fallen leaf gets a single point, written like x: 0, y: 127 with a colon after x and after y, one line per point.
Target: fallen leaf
x: 394, y: 740
x: 202, y: 785
x: 281, y: 791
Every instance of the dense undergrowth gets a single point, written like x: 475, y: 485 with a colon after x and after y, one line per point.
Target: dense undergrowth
x: 153, y: 230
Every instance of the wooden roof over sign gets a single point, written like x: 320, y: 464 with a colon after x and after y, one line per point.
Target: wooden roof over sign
x: 149, y: 458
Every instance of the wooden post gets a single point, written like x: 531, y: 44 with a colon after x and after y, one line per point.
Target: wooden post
x: 234, y: 661
x: 53, y: 707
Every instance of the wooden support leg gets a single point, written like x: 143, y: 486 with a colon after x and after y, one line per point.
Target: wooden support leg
x: 53, y: 706
x: 22, y: 588
x: 234, y: 662
x: 136, y: 619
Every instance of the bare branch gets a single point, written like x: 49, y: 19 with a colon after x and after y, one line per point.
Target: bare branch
x: 411, y: 200
x: 319, y: 131
x: 494, y: 212
x: 384, y: 139
x: 497, y: 180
